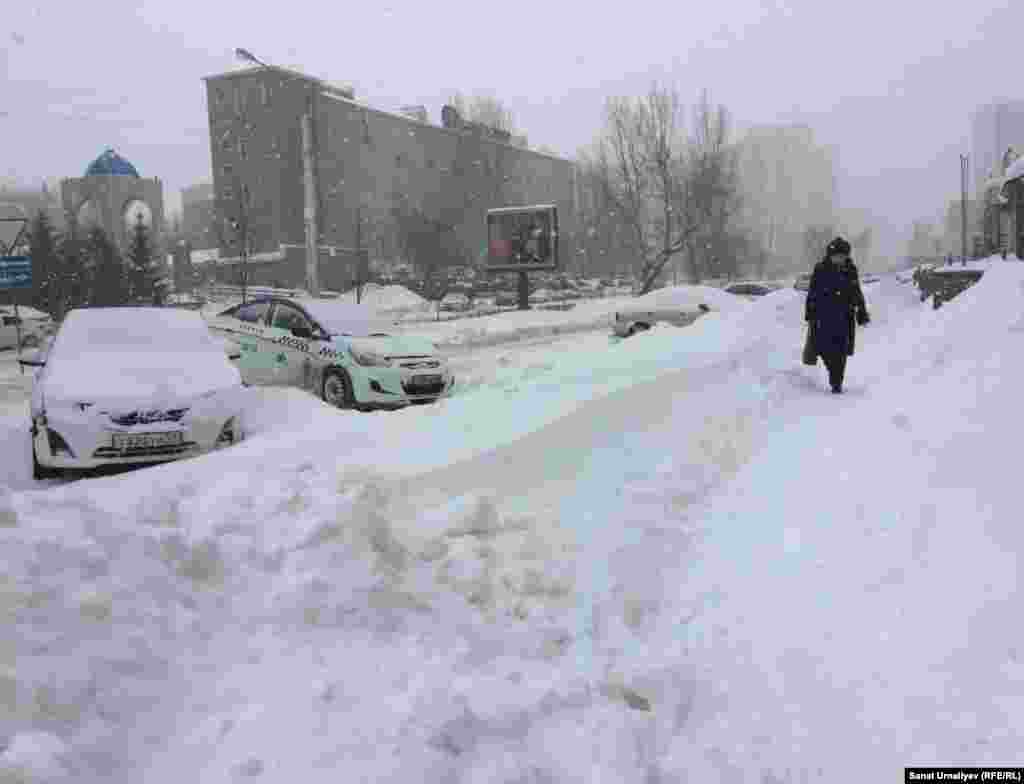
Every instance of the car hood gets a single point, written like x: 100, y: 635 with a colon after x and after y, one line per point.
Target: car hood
x: 393, y: 345
x: 118, y: 379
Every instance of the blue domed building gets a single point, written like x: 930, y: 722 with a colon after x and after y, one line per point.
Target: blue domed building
x: 113, y: 195
x: 111, y: 163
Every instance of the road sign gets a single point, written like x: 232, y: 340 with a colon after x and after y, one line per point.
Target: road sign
x: 15, y: 272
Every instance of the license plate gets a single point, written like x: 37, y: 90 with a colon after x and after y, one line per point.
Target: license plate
x: 426, y: 380
x: 145, y: 440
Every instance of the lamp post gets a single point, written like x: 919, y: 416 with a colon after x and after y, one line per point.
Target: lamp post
x: 963, y: 208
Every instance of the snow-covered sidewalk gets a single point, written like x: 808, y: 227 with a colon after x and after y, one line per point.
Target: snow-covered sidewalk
x: 669, y: 559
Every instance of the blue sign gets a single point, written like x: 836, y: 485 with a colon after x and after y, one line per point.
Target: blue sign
x: 15, y: 272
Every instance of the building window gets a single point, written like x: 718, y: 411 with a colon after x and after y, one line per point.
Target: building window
x: 264, y: 93
x: 237, y: 95
x: 228, y: 169
x: 242, y: 152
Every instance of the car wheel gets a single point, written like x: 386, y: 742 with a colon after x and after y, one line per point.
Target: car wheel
x: 634, y: 328
x: 30, y: 341
x: 336, y: 389
x: 39, y: 471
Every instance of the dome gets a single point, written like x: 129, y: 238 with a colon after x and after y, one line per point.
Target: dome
x: 111, y: 163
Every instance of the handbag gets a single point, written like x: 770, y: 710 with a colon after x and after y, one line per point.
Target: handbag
x: 810, y: 352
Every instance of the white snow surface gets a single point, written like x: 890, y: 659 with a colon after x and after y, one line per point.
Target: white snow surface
x: 389, y: 299
x: 671, y: 558
x: 132, y: 354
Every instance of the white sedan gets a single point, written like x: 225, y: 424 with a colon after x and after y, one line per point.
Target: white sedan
x: 131, y: 385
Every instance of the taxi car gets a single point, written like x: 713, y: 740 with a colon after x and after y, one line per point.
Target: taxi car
x: 342, y: 352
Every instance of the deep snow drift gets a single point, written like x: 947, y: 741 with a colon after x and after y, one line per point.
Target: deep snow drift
x: 670, y: 558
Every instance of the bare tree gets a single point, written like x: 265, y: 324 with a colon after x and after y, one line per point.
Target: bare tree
x: 597, y: 216
x: 666, y: 187
x: 485, y: 109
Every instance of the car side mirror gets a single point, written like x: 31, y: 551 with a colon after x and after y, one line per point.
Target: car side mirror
x: 32, y: 358
x: 303, y: 332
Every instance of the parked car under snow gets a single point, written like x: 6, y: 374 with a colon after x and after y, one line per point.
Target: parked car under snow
x: 131, y: 385
x: 629, y: 321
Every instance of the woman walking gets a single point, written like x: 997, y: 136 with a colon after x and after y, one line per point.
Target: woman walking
x: 835, y: 304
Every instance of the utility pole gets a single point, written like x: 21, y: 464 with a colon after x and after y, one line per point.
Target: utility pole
x: 359, y: 254
x: 312, y: 257
x: 963, y: 208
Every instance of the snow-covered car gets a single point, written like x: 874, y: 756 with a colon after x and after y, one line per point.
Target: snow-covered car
x: 455, y: 303
x: 131, y: 385
x: 749, y: 289
x: 629, y: 321
x: 35, y: 326
x: 342, y: 352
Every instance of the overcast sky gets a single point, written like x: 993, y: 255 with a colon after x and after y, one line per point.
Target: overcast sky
x: 890, y: 84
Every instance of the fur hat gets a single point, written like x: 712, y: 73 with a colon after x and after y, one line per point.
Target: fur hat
x: 838, y: 245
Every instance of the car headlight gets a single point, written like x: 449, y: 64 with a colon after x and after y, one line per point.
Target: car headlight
x: 369, y: 358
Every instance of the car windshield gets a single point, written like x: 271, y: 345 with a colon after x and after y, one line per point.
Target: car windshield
x: 146, y: 330
x: 346, y: 319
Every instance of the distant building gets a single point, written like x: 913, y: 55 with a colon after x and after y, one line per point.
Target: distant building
x: 994, y: 128
x: 368, y: 167
x: 198, y: 215
x: 111, y: 194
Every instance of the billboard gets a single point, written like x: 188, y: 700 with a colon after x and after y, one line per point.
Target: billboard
x: 522, y: 239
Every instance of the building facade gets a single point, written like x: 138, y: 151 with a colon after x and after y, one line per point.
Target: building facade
x: 366, y: 169
x: 111, y: 194
x: 197, y: 215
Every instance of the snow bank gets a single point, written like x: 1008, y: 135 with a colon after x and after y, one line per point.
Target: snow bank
x: 582, y: 317
x: 389, y: 299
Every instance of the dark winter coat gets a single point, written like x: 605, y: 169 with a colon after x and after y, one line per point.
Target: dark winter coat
x: 835, y: 304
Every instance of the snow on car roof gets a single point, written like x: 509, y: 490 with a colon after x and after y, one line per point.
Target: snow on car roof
x: 345, y: 317
x: 136, y: 327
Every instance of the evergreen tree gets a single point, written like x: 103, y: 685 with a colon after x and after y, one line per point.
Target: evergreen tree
x: 70, y: 280
x: 108, y: 284
x: 42, y: 248
x: 142, y: 273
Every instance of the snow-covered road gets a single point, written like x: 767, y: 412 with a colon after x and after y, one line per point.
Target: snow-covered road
x: 672, y: 558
